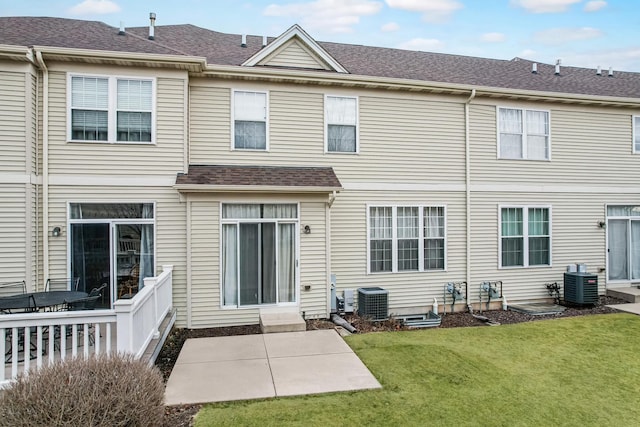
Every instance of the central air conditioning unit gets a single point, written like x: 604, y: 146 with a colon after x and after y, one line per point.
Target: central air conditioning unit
x: 580, y: 288
x: 373, y: 303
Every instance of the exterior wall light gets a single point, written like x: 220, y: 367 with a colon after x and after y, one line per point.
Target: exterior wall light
x: 56, y: 232
x: 602, y: 224
x: 307, y: 229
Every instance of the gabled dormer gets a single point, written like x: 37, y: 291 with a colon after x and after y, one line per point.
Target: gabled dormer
x: 295, y: 49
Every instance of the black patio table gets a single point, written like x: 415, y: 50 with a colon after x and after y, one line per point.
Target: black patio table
x: 39, y: 300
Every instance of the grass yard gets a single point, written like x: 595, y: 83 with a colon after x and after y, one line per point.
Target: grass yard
x: 579, y: 371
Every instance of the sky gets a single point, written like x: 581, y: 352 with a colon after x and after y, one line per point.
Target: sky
x: 584, y: 33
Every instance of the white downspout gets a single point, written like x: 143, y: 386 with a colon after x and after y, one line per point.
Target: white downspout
x: 45, y: 164
x: 467, y: 151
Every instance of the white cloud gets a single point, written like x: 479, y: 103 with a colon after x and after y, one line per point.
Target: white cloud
x: 422, y: 44
x: 627, y: 59
x: 335, y: 16
x: 527, y: 54
x: 94, y: 7
x: 433, y: 11
x: 594, y: 6
x: 389, y: 27
x: 493, y: 37
x: 544, y: 6
x: 557, y: 36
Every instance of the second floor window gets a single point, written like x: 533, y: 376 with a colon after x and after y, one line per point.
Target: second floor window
x: 523, y: 134
x: 111, y: 109
x: 341, y: 115
x: 249, y: 120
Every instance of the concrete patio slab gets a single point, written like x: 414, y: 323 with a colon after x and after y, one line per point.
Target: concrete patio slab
x: 239, y: 347
x: 324, y: 373
x: 305, y: 343
x: 629, y: 308
x: 260, y: 366
x: 219, y: 381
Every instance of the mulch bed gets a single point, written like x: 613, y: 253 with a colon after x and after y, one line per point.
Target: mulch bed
x: 182, y: 415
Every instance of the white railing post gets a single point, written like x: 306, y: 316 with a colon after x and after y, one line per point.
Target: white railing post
x: 124, y: 325
x: 152, y: 282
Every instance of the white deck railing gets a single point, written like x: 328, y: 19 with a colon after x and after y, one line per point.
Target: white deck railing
x: 31, y: 340
x: 139, y: 318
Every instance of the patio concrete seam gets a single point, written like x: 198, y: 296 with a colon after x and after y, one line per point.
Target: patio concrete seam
x: 273, y: 382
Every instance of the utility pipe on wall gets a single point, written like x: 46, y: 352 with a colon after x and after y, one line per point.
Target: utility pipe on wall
x: 467, y: 151
x: 45, y: 163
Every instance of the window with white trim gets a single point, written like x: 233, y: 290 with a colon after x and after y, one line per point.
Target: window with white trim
x: 636, y: 134
x: 406, y: 238
x: 525, y: 236
x: 250, y: 113
x: 111, y: 109
x: 341, y: 116
x: 523, y: 134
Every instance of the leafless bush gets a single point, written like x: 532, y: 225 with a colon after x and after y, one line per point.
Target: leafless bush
x: 99, y: 391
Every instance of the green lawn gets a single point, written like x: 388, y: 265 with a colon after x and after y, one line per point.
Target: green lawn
x: 581, y: 371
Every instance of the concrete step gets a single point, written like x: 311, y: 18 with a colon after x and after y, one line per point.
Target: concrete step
x: 281, y: 321
x: 629, y: 294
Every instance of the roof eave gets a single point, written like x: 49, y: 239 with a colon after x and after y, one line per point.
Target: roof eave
x: 190, y: 63
x: 208, y: 188
x: 324, y: 78
x: 16, y: 53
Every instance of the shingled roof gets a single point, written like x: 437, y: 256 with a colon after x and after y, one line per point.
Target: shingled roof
x: 225, y: 49
x: 301, y: 179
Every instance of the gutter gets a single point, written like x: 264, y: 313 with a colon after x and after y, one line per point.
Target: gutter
x: 45, y: 163
x: 206, y: 188
x: 467, y: 156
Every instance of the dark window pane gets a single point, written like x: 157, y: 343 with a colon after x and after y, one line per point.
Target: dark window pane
x: 134, y: 126
x: 380, y: 255
x: 341, y: 138
x: 538, y: 251
x: 434, y: 254
x: 512, y: 251
x: 250, y: 135
x: 89, y: 125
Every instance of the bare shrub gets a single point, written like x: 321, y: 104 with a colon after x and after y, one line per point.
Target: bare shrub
x: 98, y: 391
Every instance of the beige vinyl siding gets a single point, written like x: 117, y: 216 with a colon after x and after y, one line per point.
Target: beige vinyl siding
x: 403, y: 137
x: 406, y: 289
x: 206, y: 307
x: 13, y: 229
x: 589, y: 146
x: 575, y: 237
x: 170, y: 217
x: 164, y: 157
x: 13, y: 126
x: 293, y: 54
x: 313, y: 260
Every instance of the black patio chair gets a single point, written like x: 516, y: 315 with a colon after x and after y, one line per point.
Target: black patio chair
x: 21, y: 286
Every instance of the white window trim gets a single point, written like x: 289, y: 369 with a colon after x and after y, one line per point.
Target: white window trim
x: 296, y: 221
x: 113, y: 108
x: 525, y: 236
x: 326, y: 125
x: 233, y: 121
x: 394, y: 238
x: 524, y: 133
x: 635, y: 133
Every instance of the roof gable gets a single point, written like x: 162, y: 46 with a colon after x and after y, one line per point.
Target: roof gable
x: 295, y: 48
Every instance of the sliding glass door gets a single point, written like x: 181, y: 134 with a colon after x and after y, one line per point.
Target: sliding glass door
x: 623, y: 245
x: 112, y: 244
x: 259, y: 254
